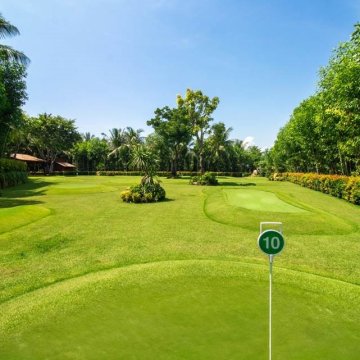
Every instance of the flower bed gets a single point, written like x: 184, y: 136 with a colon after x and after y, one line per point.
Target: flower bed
x: 344, y: 187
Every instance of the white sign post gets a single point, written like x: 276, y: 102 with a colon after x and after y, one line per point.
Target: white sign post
x: 271, y: 242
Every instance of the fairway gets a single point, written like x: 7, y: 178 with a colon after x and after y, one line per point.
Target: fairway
x: 86, y: 276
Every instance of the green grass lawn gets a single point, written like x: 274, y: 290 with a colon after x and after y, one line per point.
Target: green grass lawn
x: 86, y: 276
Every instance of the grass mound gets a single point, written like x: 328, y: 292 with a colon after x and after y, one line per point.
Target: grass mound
x: 182, y: 309
x: 246, y: 208
x: 71, y: 289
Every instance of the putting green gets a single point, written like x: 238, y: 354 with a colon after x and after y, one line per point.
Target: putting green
x: 260, y: 201
x: 14, y: 217
x: 183, y: 310
x: 247, y: 208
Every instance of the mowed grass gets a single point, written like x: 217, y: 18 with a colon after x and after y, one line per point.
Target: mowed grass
x: 183, y: 279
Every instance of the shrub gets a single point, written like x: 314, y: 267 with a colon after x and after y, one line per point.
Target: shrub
x: 12, y: 173
x: 143, y: 193
x: 276, y: 177
x: 206, y: 179
x: 345, y: 187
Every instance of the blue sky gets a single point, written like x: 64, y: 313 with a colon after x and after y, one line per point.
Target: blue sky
x: 111, y: 63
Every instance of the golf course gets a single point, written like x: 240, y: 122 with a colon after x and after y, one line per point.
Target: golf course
x: 85, y: 275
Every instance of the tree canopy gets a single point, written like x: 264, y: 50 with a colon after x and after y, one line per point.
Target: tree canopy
x: 323, y: 133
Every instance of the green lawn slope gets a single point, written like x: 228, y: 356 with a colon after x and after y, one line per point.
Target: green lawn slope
x: 90, y: 277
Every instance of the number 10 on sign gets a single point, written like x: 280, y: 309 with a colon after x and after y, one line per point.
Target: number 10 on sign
x: 271, y: 242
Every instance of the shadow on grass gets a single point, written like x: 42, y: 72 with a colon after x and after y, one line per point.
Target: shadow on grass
x: 31, y: 188
x: 9, y: 203
x: 236, y: 184
x: 167, y: 200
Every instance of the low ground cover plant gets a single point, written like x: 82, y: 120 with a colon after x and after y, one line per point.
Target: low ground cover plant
x: 344, y: 187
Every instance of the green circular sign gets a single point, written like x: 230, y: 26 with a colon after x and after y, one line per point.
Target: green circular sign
x: 271, y: 242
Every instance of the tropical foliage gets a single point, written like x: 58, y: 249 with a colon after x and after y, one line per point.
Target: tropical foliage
x: 7, y: 53
x: 345, y: 187
x: 323, y: 133
x: 206, y: 179
x: 12, y: 173
x: 52, y: 136
x: 12, y: 97
x: 149, y: 189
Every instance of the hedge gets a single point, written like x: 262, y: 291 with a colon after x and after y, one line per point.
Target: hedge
x: 164, y: 173
x: 344, y: 187
x: 12, y: 173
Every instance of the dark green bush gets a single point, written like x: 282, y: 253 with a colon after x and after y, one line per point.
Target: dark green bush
x: 143, y: 193
x: 12, y: 173
x: 207, y: 179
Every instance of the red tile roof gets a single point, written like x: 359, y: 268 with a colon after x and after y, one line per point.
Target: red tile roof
x: 65, y: 164
x: 25, y: 157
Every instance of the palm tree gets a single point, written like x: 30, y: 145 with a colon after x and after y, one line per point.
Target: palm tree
x: 144, y: 160
x: 7, y: 53
x: 133, y: 137
x: 122, y: 142
x: 87, y: 136
x: 219, y: 143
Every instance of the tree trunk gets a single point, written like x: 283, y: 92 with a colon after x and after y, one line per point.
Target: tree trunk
x: 343, y: 171
x: 202, y: 163
x: 51, y: 168
x: 174, y: 160
x: 201, y: 153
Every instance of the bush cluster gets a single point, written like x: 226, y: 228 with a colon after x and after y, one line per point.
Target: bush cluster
x: 143, y: 193
x: 207, y: 179
x: 12, y: 173
x: 344, y: 187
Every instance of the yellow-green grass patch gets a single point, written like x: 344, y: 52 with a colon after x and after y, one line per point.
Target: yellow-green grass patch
x: 259, y: 200
x: 14, y: 217
x: 77, y: 187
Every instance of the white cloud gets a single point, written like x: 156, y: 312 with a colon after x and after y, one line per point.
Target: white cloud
x: 248, y: 141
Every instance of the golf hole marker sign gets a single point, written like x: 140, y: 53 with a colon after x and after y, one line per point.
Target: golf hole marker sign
x: 271, y: 242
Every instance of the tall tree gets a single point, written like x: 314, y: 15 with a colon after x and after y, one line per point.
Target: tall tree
x: 53, y: 136
x: 174, y: 127
x: 90, y: 154
x: 12, y: 97
x: 122, y: 142
x: 199, y: 109
x: 340, y: 88
x: 219, y: 146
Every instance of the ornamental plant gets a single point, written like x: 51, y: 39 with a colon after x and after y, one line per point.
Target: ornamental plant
x: 149, y: 189
x: 207, y: 179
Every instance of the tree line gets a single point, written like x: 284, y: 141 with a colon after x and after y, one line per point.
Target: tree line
x: 184, y: 136
x: 183, y: 139
x: 323, y: 133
